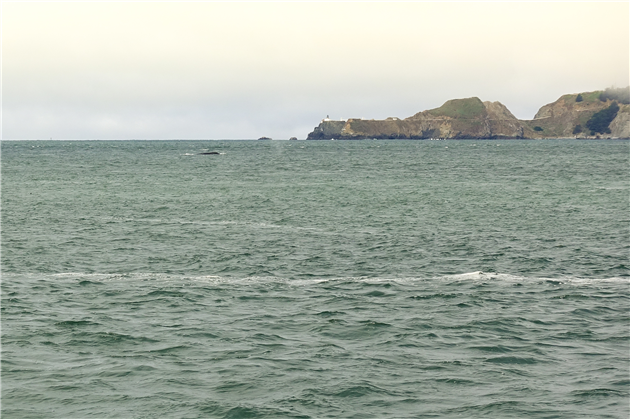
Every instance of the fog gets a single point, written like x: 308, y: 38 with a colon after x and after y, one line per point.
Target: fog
x: 246, y: 70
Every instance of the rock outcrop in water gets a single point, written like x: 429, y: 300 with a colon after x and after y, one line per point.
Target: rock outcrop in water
x: 568, y: 117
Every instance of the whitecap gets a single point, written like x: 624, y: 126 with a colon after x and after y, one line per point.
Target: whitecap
x: 476, y: 276
x: 486, y: 276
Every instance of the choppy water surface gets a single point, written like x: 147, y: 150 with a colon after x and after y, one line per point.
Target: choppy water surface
x: 399, y: 279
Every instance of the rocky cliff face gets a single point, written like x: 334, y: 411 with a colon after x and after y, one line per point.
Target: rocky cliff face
x: 458, y: 118
x: 473, y: 119
x: 560, y: 118
x: 620, y: 126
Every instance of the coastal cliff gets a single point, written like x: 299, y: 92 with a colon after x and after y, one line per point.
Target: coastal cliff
x: 571, y: 116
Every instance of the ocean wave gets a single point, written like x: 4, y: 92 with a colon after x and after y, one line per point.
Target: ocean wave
x: 477, y: 276
x: 486, y: 276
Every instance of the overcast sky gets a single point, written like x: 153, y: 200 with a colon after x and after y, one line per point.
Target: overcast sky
x: 164, y: 70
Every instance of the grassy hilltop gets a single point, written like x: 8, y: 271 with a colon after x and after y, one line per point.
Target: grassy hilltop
x: 599, y: 114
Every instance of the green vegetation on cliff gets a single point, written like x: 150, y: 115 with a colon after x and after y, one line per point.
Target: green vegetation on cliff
x: 586, y: 97
x: 461, y: 108
x: 600, y: 121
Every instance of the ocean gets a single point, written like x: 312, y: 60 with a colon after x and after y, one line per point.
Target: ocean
x: 316, y: 279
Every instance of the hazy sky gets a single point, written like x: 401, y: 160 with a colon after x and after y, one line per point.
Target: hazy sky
x: 161, y: 70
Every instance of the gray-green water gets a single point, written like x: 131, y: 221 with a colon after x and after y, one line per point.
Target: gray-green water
x: 400, y: 279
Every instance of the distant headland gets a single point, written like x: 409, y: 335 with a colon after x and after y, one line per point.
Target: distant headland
x: 598, y: 114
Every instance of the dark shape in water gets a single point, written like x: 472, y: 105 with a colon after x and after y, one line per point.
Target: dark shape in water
x: 210, y: 152
x: 264, y: 138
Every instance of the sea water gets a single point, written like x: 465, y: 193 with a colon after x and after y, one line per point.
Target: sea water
x: 332, y: 279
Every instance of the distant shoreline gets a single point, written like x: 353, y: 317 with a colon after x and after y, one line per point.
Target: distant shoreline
x: 601, y: 114
x: 345, y: 140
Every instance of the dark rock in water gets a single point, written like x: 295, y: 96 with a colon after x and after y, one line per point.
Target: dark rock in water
x: 293, y: 139
x: 264, y: 138
x: 211, y: 152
